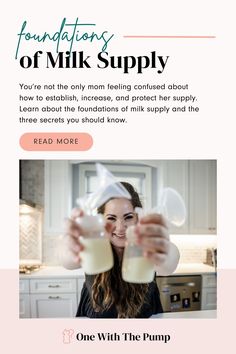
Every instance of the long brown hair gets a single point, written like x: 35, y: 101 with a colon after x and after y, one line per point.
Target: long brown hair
x: 110, y: 289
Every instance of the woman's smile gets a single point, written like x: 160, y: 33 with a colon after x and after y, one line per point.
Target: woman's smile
x: 120, y: 213
x: 123, y: 236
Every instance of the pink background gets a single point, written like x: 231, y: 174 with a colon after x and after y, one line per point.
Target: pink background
x: 187, y: 335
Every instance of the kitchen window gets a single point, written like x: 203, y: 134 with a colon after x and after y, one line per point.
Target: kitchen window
x: 140, y: 176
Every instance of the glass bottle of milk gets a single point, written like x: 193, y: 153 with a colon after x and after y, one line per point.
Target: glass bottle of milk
x: 97, y: 255
x: 135, y: 267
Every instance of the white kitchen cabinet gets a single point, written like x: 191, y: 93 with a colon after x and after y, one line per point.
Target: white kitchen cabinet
x: 195, y: 180
x: 53, y: 285
x: 175, y: 175
x: 58, y: 196
x: 51, y: 298
x: 53, y: 305
x: 209, y: 292
x: 24, y: 300
x: 24, y: 306
x: 24, y: 286
x: 202, y: 197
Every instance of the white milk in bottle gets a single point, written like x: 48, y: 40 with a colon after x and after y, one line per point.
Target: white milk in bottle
x: 135, y: 267
x: 97, y: 255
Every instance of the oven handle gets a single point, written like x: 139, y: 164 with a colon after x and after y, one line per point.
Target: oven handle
x: 182, y: 284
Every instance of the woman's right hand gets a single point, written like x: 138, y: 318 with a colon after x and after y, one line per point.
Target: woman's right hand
x: 71, y: 245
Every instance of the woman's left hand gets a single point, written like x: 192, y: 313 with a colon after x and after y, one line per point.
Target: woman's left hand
x: 153, y: 237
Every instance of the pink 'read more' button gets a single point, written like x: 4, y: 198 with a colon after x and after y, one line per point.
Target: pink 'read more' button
x: 56, y: 141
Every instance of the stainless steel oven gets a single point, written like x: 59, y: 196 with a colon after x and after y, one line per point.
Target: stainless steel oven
x: 180, y: 293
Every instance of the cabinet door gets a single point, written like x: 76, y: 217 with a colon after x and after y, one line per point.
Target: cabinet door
x: 208, y: 299
x: 175, y: 175
x: 202, y: 197
x: 209, y: 281
x: 209, y: 293
x: 24, y: 306
x: 53, y: 305
x: 24, y: 286
x: 57, y: 196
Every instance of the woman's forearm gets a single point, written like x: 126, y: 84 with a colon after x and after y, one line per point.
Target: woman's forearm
x: 66, y: 257
x: 68, y: 263
x: 171, y: 262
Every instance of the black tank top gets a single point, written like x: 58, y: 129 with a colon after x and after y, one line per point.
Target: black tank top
x: 152, y: 304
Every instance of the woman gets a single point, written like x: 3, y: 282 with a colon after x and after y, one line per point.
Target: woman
x: 107, y: 295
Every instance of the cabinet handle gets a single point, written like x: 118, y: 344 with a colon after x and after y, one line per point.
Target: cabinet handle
x: 54, y: 297
x: 212, y: 228
x: 53, y: 286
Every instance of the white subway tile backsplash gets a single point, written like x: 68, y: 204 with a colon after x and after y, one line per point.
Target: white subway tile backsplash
x: 193, y: 248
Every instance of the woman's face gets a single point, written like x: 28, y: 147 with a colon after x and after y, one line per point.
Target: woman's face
x: 120, y: 213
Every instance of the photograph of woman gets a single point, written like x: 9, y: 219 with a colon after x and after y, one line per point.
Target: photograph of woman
x: 107, y: 295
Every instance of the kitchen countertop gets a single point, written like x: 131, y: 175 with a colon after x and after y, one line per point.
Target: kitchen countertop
x: 49, y: 271
x: 194, y: 268
x: 187, y: 314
